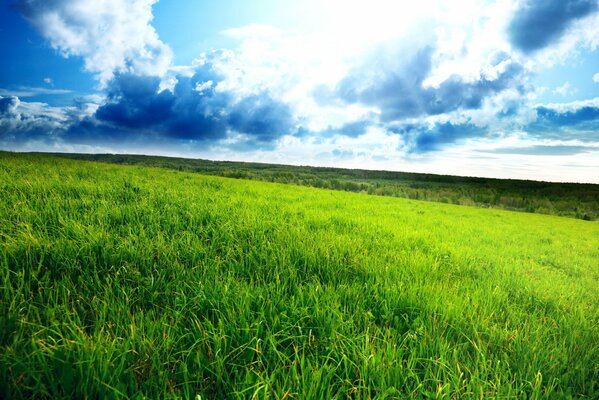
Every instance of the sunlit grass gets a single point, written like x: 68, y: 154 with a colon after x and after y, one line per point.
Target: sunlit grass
x: 128, y: 282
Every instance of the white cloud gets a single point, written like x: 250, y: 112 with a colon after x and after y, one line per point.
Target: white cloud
x: 379, y: 150
x: 37, y: 109
x: 583, y: 35
x: 110, y: 35
x: 27, y: 91
x: 565, y: 90
x: 116, y: 35
x: 290, y: 65
x: 570, y: 106
x: 202, y: 86
x: 353, y: 34
x: 24, y: 122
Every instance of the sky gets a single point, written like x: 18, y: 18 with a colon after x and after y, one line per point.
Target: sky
x: 505, y: 88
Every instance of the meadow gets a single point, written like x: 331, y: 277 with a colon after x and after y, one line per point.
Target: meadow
x: 135, y: 282
x: 574, y: 200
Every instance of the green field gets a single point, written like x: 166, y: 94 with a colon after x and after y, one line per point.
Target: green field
x: 131, y: 282
x: 575, y: 200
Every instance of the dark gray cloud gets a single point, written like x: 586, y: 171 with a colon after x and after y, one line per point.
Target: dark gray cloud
x: 34, y: 122
x: 538, y: 23
x: 194, y: 110
x: 422, y: 138
x: 136, y: 112
x: 352, y: 129
x: 135, y: 102
x: 261, y: 117
x: 399, y: 93
x: 586, y: 116
x: 574, y: 123
x: 553, y: 122
x: 8, y: 105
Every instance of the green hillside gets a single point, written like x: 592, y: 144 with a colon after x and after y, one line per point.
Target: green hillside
x: 576, y: 200
x: 132, y: 282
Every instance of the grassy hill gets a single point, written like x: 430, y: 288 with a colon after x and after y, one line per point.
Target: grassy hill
x: 125, y: 282
x: 565, y: 199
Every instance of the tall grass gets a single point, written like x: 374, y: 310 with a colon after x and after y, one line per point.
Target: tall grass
x: 129, y: 282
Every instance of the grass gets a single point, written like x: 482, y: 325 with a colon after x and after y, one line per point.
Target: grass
x: 131, y: 282
x: 575, y: 200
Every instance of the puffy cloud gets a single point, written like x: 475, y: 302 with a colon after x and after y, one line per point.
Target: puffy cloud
x: 110, y: 35
x: 22, y: 122
x: 536, y: 24
x: 399, y: 90
x: 197, y: 108
x: 596, y: 78
x: 134, y: 102
x: 409, y: 89
x: 577, y: 121
x: 8, y: 105
x: 136, y: 111
x: 266, y: 88
x: 565, y: 90
x: 570, y: 114
x: 352, y: 129
x: 421, y: 138
x: 261, y: 117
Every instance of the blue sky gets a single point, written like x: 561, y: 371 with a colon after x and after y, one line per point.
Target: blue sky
x: 506, y: 88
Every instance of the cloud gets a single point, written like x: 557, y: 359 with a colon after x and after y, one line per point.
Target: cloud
x: 352, y: 129
x: 261, y: 117
x: 577, y: 120
x: 134, y: 102
x: 113, y: 35
x: 399, y: 90
x: 580, y: 116
x: 596, y: 78
x: 341, y: 153
x: 422, y: 138
x: 565, y: 90
x: 8, y: 105
x: 23, y: 122
x: 265, y: 89
x: 430, y: 89
x: 28, y: 91
x: 536, y: 24
x: 197, y: 109
x: 544, y: 150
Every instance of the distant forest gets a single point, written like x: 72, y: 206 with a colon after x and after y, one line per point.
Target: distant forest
x: 564, y: 199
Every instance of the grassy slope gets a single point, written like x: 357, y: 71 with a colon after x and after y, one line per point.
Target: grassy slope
x: 563, y: 199
x: 127, y: 281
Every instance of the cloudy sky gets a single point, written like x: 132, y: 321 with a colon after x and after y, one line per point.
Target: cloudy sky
x: 505, y: 88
